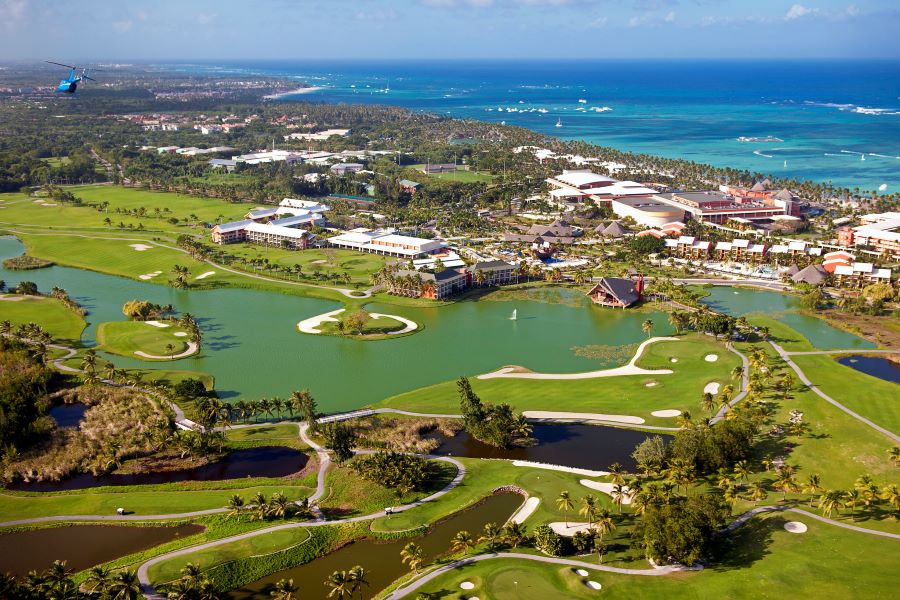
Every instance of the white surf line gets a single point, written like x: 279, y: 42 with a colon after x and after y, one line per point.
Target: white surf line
x: 581, y: 417
x: 526, y: 510
x: 311, y: 324
x: 628, y: 369
x: 410, y: 325
x: 191, y: 349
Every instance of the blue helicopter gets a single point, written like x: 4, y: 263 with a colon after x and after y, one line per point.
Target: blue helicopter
x: 70, y: 84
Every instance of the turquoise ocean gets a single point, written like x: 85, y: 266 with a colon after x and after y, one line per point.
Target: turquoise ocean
x: 836, y: 121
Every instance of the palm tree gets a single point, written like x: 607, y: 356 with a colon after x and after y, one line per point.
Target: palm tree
x: 894, y: 455
x: 708, y: 403
x: 412, y: 554
x: 357, y: 576
x: 89, y: 362
x: 98, y: 578
x: 565, y: 504
x: 852, y: 499
x: 831, y: 501
x: 514, y: 534
x: 811, y: 486
x: 170, y: 350
x: 616, y: 472
x: 235, y: 505
x: 619, y: 495
x: 647, y: 327
x: 57, y: 575
x: 737, y: 372
x: 462, y: 542
x: 284, y: 590
x: 490, y: 535
x: 604, y: 523
x: 891, y: 494
x: 340, y: 584
x: 741, y: 470
x: 785, y: 482
x: 588, y: 509
x: 757, y: 492
x: 124, y: 586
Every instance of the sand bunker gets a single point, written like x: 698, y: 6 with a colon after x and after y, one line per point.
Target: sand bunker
x: 711, y: 388
x: 205, y: 275
x: 574, y: 416
x: 650, y: 384
x: 527, y: 510
x: 467, y: 585
x: 606, y: 488
x: 311, y: 325
x: 12, y: 298
x: 569, y: 529
x: 795, y: 527
x: 667, y: 413
x: 408, y: 325
x: 157, y: 324
x: 49, y: 204
x: 150, y: 275
x: 560, y: 468
x: 180, y: 334
x: 711, y: 357
x: 140, y: 247
x: 581, y: 573
x: 593, y: 585
x: 673, y: 359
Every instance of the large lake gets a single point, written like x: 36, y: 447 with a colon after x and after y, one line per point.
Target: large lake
x: 253, y: 348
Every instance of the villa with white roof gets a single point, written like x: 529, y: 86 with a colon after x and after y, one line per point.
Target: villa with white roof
x: 386, y: 243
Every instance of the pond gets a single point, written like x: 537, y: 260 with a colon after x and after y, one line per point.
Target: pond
x: 264, y: 461
x: 381, y: 558
x: 68, y: 415
x: 782, y: 307
x: 81, y: 546
x: 876, y: 366
x: 252, y: 346
x: 592, y: 447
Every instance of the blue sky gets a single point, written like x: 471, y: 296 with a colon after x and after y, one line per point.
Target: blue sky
x: 125, y: 30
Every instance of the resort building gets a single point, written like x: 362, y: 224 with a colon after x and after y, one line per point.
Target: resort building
x: 307, y: 205
x: 271, y: 234
x: 269, y: 156
x: 616, y: 292
x: 860, y: 275
x: 647, y: 211
x: 319, y: 136
x: 720, y: 207
x: 812, y: 275
x: 346, y: 168
x: 880, y: 233
x: 261, y: 228
x: 386, y: 243
x: 231, y: 233
x: 433, y: 286
x: 493, y: 272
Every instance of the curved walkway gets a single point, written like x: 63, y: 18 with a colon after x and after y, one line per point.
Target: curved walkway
x: 785, y: 356
x: 404, y: 591
x: 745, y: 385
x: 628, y: 369
x: 143, y: 571
x: 192, y: 348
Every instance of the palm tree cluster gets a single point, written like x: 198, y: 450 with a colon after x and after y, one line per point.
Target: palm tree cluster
x: 401, y: 472
x: 299, y: 403
x: 181, y: 274
x: 56, y: 583
x: 865, y: 494
x: 32, y: 334
x: 192, y: 585
x: 345, y: 584
x: 261, y: 509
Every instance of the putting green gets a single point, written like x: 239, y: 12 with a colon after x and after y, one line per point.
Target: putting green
x: 127, y: 337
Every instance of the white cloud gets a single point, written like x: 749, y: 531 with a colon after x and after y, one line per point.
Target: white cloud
x: 206, y: 18
x: 798, y: 11
x: 123, y: 26
x: 652, y: 20
x: 852, y: 10
x: 11, y: 12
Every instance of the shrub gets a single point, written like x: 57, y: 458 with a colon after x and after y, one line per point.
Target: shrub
x: 548, y: 541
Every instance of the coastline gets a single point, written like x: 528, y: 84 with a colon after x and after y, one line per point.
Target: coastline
x: 295, y: 92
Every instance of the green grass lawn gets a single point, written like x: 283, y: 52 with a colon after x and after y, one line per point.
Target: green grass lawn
x: 126, y: 337
x: 254, y: 546
x: 270, y: 434
x: 63, y: 324
x: 358, y: 265
x: 869, y: 396
x: 373, y: 328
x: 762, y: 561
x: 623, y: 395
x: 460, y: 175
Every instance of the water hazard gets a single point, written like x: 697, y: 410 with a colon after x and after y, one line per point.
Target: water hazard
x: 876, y: 366
x: 81, y: 546
x: 265, y: 461
x: 582, y: 446
x: 381, y: 559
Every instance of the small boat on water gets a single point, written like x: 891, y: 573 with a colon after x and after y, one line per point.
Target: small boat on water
x: 559, y: 122
x: 514, y: 313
